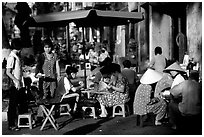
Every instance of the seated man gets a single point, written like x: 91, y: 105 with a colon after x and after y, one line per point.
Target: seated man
x: 190, y: 106
x: 68, y: 88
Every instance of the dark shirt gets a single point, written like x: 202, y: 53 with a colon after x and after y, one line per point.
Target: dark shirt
x: 190, y: 91
x: 130, y: 74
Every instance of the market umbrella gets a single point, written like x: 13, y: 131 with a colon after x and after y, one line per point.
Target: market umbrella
x: 86, y: 18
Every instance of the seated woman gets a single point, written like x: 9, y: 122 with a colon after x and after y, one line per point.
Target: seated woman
x: 117, y: 88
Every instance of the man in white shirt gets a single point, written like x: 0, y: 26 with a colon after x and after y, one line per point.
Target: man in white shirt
x: 15, y: 73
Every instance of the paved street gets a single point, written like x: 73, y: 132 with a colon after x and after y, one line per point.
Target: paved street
x: 117, y: 126
x: 90, y: 126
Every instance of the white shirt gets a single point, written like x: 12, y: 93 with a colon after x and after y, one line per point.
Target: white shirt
x: 177, y: 80
x: 67, y: 85
x: 17, y: 69
x: 186, y: 60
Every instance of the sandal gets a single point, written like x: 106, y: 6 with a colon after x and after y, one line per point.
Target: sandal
x: 99, y: 117
x: 14, y: 128
x: 102, y: 116
x: 157, y: 123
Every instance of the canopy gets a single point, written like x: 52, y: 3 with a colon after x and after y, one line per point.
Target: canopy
x: 87, y: 18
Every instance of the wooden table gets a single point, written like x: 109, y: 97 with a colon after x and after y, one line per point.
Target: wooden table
x: 92, y: 91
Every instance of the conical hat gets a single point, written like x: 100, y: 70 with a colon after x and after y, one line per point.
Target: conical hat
x: 150, y: 76
x: 174, y: 67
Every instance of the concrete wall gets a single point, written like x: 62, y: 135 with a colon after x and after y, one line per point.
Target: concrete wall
x: 155, y: 30
x: 194, y: 30
x: 160, y: 33
x: 143, y: 42
x: 120, y: 41
x: 158, y: 30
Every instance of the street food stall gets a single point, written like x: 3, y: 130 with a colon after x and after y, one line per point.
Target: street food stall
x: 82, y: 18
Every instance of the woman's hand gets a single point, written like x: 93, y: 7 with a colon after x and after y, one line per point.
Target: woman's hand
x: 40, y: 75
x: 81, y: 83
x: 58, y: 78
x: 110, y: 88
x: 17, y: 82
x: 73, y: 89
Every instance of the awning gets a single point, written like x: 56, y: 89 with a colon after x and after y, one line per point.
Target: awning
x: 87, y: 18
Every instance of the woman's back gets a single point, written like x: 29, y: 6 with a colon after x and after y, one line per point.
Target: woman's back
x: 142, y: 97
x: 159, y: 63
x: 130, y: 75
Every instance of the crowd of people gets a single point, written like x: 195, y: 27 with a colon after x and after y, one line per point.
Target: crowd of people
x: 165, y: 91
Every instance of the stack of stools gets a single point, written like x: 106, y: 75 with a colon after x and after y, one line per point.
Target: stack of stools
x: 25, y: 116
x: 123, y: 112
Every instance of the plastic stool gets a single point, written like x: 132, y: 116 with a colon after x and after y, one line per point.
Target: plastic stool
x: 65, y: 106
x: 92, y: 109
x: 122, y: 106
x: 67, y: 66
x: 23, y: 116
x: 5, y: 110
x: 88, y: 66
x: 79, y: 67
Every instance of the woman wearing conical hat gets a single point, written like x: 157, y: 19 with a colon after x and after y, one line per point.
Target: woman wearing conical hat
x: 144, y: 94
x: 177, y: 73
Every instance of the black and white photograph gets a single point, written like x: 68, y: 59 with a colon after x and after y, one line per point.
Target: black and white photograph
x: 101, y: 67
